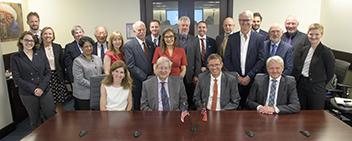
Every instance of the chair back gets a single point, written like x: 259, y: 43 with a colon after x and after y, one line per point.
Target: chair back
x: 95, y: 83
x: 341, y: 68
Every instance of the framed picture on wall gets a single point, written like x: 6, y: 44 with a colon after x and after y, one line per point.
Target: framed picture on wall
x: 129, y: 31
x: 11, y: 21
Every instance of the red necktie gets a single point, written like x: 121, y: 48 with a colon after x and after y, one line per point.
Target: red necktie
x: 145, y: 50
x: 203, y: 51
x: 215, y: 96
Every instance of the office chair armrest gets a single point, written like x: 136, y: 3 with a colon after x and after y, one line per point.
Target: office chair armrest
x: 335, y: 90
x: 343, y: 85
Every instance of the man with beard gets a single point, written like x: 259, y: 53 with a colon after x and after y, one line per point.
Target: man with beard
x: 191, y: 46
x: 257, y: 21
x: 275, y: 46
x: 154, y: 28
x: 274, y: 93
x: 221, y: 40
x: 101, y: 46
x: 293, y: 36
x: 207, y: 44
x: 139, y: 56
x: 33, y: 21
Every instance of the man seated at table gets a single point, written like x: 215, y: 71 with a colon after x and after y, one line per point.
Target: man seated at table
x: 163, y: 92
x: 216, y: 88
x: 274, y: 93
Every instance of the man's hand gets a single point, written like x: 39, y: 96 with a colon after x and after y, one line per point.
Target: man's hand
x: 266, y: 110
x: 195, y: 79
x: 38, y: 92
x: 245, y: 81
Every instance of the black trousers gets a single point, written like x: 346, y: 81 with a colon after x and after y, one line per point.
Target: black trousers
x: 244, y: 92
x: 136, y: 100
x: 81, y: 104
x: 311, y: 95
x: 190, y: 92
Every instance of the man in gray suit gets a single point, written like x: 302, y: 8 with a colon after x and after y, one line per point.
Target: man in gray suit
x: 163, y: 92
x: 274, y: 93
x: 191, y: 46
x: 293, y: 36
x: 216, y: 89
x: 221, y: 40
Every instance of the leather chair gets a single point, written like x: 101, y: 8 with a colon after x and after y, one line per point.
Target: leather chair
x: 95, y: 83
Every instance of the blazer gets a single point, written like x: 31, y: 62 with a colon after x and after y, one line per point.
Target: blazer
x: 137, y: 63
x: 149, y: 37
x: 71, y: 52
x: 229, y: 96
x: 58, y: 58
x: 287, y: 97
x: 299, y: 40
x: 209, y: 49
x: 219, y: 40
x: 95, y: 48
x: 254, y: 59
x: 29, y: 75
x: 193, y: 57
x: 264, y: 34
x: 177, y: 94
x: 321, y: 66
x: 285, y: 51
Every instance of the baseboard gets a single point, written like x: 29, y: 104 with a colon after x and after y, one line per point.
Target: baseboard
x: 7, y: 130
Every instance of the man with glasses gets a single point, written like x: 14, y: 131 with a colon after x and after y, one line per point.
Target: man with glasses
x: 216, y: 89
x: 163, y: 92
x: 244, y: 54
x: 221, y: 40
x: 101, y: 46
x: 293, y: 36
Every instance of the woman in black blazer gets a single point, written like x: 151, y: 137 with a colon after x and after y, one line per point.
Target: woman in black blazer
x: 55, y: 56
x: 31, y: 72
x: 313, y: 68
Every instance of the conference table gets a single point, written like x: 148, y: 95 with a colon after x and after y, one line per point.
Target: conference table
x: 167, y: 126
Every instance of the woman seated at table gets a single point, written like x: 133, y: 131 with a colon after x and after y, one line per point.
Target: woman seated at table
x: 85, y: 66
x: 115, y: 52
x: 116, y: 89
x: 168, y: 49
x: 31, y: 73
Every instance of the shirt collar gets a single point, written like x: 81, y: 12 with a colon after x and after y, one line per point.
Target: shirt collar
x: 229, y: 34
x: 217, y: 78
x: 154, y: 38
x: 166, y: 80
x: 277, y: 44
x: 204, y: 37
x: 277, y: 79
x: 140, y: 41
x: 248, y: 34
x: 181, y: 37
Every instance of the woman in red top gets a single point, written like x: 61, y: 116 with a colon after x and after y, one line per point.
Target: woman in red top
x: 168, y: 49
x: 115, y: 52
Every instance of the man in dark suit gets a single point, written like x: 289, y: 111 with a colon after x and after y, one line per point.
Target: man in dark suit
x: 101, y: 46
x: 154, y: 28
x: 293, y: 36
x: 275, y: 46
x: 244, y: 54
x: 163, y: 92
x: 221, y: 40
x: 72, y: 50
x: 216, y: 89
x: 281, y: 97
x: 257, y: 20
x: 207, y: 44
x: 139, y: 55
x: 191, y: 46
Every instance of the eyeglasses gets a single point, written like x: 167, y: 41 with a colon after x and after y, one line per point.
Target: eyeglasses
x: 245, y: 20
x: 30, y: 41
x: 214, y: 65
x: 165, y: 68
x: 168, y: 37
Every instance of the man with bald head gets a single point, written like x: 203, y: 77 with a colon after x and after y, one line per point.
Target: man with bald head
x: 139, y: 55
x: 221, y: 40
x: 275, y: 46
x: 292, y: 36
x: 101, y: 46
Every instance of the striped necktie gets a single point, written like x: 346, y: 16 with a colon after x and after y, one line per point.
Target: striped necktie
x: 272, y: 93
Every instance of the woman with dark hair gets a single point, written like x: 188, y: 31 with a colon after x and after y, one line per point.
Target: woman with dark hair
x: 116, y: 89
x: 55, y: 56
x: 31, y: 72
x: 85, y: 66
x: 168, y: 49
x: 115, y: 52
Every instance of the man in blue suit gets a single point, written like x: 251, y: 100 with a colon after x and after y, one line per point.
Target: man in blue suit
x: 139, y: 55
x: 207, y: 44
x: 244, y: 54
x: 275, y: 46
x: 257, y: 21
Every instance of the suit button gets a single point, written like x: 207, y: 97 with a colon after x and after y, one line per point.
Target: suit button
x: 31, y: 73
x: 32, y: 79
x: 38, y: 78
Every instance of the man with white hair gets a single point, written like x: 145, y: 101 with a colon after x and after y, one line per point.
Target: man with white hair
x: 293, y: 36
x: 101, y: 46
x: 274, y: 93
x: 275, y: 46
x: 139, y: 55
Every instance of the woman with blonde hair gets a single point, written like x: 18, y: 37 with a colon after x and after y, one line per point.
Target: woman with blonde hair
x: 116, y: 89
x: 115, y: 52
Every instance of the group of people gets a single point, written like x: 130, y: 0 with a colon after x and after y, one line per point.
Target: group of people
x: 271, y: 72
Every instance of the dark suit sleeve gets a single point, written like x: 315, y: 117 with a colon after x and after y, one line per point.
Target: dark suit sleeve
x: 197, y: 94
x: 47, y: 72
x: 17, y: 78
x: 288, y: 62
x: 227, y: 56
x: 251, y: 101
x: 234, y: 95
x: 68, y: 63
x: 183, y: 95
x: 130, y: 62
x: 260, y: 58
x: 144, y: 99
x: 329, y: 61
x: 292, y: 105
x: 198, y: 63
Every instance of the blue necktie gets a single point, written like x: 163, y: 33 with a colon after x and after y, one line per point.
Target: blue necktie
x: 164, y: 98
x: 102, y: 53
x: 184, y: 43
x: 273, y: 50
x: 272, y: 93
x: 155, y: 43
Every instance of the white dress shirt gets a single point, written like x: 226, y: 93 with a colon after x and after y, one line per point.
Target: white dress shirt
x: 211, y: 90
x: 105, y: 45
x: 244, y: 49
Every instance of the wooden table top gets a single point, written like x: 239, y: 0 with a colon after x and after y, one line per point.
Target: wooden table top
x: 225, y: 125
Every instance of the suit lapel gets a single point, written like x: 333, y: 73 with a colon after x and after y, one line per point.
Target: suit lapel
x: 223, y: 85
x: 138, y: 48
x: 29, y: 62
x: 206, y: 88
x: 172, y: 93
x: 155, y: 92
x: 279, y: 49
x: 266, y: 88
x: 282, y: 87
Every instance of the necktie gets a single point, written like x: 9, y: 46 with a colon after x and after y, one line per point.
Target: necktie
x: 273, y: 50
x: 224, y: 46
x: 215, y: 96
x: 102, y: 53
x: 184, y: 43
x: 164, y: 98
x: 145, y: 50
x: 203, y: 51
x: 290, y: 39
x: 272, y: 93
x: 155, y: 43
x: 37, y: 36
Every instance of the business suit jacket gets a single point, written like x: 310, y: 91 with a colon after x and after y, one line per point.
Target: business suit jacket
x: 95, y: 48
x: 177, y: 94
x: 29, y: 75
x: 193, y: 57
x: 321, y: 66
x: 71, y: 52
x: 209, y: 49
x: 219, y: 40
x: 285, y: 51
x: 254, y: 59
x: 137, y: 63
x: 59, y: 59
x: 300, y: 39
x: 264, y: 34
x: 287, y: 99
x: 149, y: 37
x: 229, y: 96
